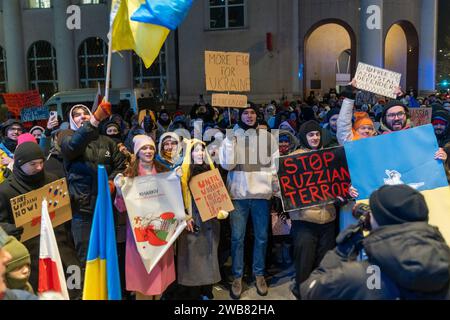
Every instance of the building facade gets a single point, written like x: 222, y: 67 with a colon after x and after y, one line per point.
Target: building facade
x: 295, y: 46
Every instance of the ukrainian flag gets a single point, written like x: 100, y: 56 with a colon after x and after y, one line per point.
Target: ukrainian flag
x: 143, y: 26
x: 402, y: 157
x: 102, y: 280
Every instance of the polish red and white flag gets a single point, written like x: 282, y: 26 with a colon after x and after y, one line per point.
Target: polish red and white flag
x: 51, y: 272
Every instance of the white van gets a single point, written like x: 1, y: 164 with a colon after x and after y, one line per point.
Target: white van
x: 63, y: 101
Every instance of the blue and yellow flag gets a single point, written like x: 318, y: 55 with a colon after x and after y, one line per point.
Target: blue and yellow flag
x: 102, y: 280
x: 403, y: 157
x: 143, y: 26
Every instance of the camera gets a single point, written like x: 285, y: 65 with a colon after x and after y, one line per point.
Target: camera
x: 362, y: 213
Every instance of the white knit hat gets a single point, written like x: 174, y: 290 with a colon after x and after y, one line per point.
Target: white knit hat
x: 142, y: 140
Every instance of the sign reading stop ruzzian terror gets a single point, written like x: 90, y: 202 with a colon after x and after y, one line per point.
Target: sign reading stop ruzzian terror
x: 313, y: 178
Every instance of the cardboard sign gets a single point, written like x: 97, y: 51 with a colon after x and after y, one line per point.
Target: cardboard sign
x: 312, y: 178
x: 210, y: 194
x: 227, y: 71
x: 377, y: 80
x: 34, y: 113
x: 27, y: 208
x: 17, y: 101
x: 420, y: 116
x: 229, y: 100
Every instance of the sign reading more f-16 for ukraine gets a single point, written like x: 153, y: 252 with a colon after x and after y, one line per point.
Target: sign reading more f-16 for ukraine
x: 403, y: 157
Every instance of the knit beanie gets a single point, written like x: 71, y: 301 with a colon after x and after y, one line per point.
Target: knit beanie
x: 362, y: 119
x: 396, y: 204
x: 250, y: 105
x: 142, y: 140
x: 26, y: 137
x: 26, y: 152
x: 331, y: 113
x: 307, y: 127
x: 19, y: 253
x: 394, y: 103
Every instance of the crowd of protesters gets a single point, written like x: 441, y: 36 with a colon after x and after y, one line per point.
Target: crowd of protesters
x: 147, y: 143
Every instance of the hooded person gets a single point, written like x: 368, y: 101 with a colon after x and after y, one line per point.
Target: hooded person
x: 287, y: 142
x: 412, y: 256
x: 197, y: 246
x: 170, y: 150
x: 163, y: 122
x: 37, y: 132
x: 83, y: 149
x: 312, y: 228
x: 28, y: 174
x: 18, y: 268
x: 440, y: 120
x: 112, y: 130
x: 10, y: 129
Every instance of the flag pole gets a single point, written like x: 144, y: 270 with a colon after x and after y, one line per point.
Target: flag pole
x: 108, y: 65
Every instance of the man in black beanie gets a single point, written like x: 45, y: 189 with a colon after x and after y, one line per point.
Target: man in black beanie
x: 406, y: 257
x: 28, y: 174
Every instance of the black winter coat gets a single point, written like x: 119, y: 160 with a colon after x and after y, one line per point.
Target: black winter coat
x: 413, y: 259
x: 83, y: 150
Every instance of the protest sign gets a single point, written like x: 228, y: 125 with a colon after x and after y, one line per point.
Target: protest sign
x: 27, y: 208
x: 156, y: 214
x: 34, y: 113
x: 227, y: 71
x: 377, y: 80
x: 229, y: 100
x: 210, y: 194
x: 312, y: 178
x: 420, y: 116
x: 407, y: 158
x: 17, y: 101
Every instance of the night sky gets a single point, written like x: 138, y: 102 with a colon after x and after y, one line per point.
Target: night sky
x: 444, y: 25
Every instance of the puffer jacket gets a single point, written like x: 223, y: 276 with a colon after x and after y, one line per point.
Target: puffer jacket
x: 413, y: 260
x: 344, y: 131
x: 83, y: 150
x: 248, y: 177
x: 320, y: 214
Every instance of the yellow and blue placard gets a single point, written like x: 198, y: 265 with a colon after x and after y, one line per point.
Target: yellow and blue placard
x: 102, y: 279
x: 403, y: 157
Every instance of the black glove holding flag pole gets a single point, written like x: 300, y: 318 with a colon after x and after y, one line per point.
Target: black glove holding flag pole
x: 349, y: 241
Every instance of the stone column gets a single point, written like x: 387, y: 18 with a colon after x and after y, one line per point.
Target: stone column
x: 371, y: 32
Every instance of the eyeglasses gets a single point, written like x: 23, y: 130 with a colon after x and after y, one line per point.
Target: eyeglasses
x: 399, y: 115
x: 15, y: 129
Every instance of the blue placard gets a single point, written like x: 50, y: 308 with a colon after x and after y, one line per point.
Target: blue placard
x: 34, y: 113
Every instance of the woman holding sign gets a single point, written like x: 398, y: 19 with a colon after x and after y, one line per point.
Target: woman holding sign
x: 147, y: 286
x: 197, y: 259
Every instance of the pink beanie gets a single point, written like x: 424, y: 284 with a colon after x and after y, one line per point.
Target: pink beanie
x: 26, y: 137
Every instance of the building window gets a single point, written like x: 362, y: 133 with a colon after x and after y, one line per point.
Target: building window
x: 92, y: 56
x: 226, y: 14
x: 2, y: 70
x: 154, y: 77
x: 39, y: 4
x: 92, y: 1
x: 42, y: 68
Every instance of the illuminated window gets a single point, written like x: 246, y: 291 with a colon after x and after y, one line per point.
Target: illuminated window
x: 226, y: 14
x: 42, y: 68
x: 2, y: 70
x: 154, y: 77
x: 92, y: 58
x: 39, y: 4
x: 92, y: 1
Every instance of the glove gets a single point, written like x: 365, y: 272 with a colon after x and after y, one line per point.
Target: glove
x: 340, y: 202
x: 349, y: 92
x: 17, y: 232
x: 112, y: 188
x: 349, y: 242
x: 103, y: 111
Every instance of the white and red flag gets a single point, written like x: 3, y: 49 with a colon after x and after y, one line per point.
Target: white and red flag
x: 51, y: 272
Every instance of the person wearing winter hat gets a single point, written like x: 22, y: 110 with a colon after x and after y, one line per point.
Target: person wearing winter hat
x: 11, y: 130
x: 148, y: 286
x: 441, y: 124
x: 170, y: 152
x: 363, y: 126
x: 251, y: 182
x: 28, y: 174
x: 313, y: 228
x: 83, y: 149
x: 18, y: 268
x: 163, y: 123
x: 112, y: 130
x: 37, y: 132
x: 26, y: 137
x: 395, y: 117
x: 411, y: 256
x: 329, y: 131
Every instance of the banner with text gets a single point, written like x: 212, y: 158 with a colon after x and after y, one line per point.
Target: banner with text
x: 313, y: 178
x: 227, y: 71
x: 420, y: 116
x: 34, y: 113
x: 377, y: 80
x: 19, y: 100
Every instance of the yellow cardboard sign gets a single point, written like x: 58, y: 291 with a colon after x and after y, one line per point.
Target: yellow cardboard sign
x: 27, y: 208
x: 210, y: 194
x: 229, y: 100
x: 227, y: 71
